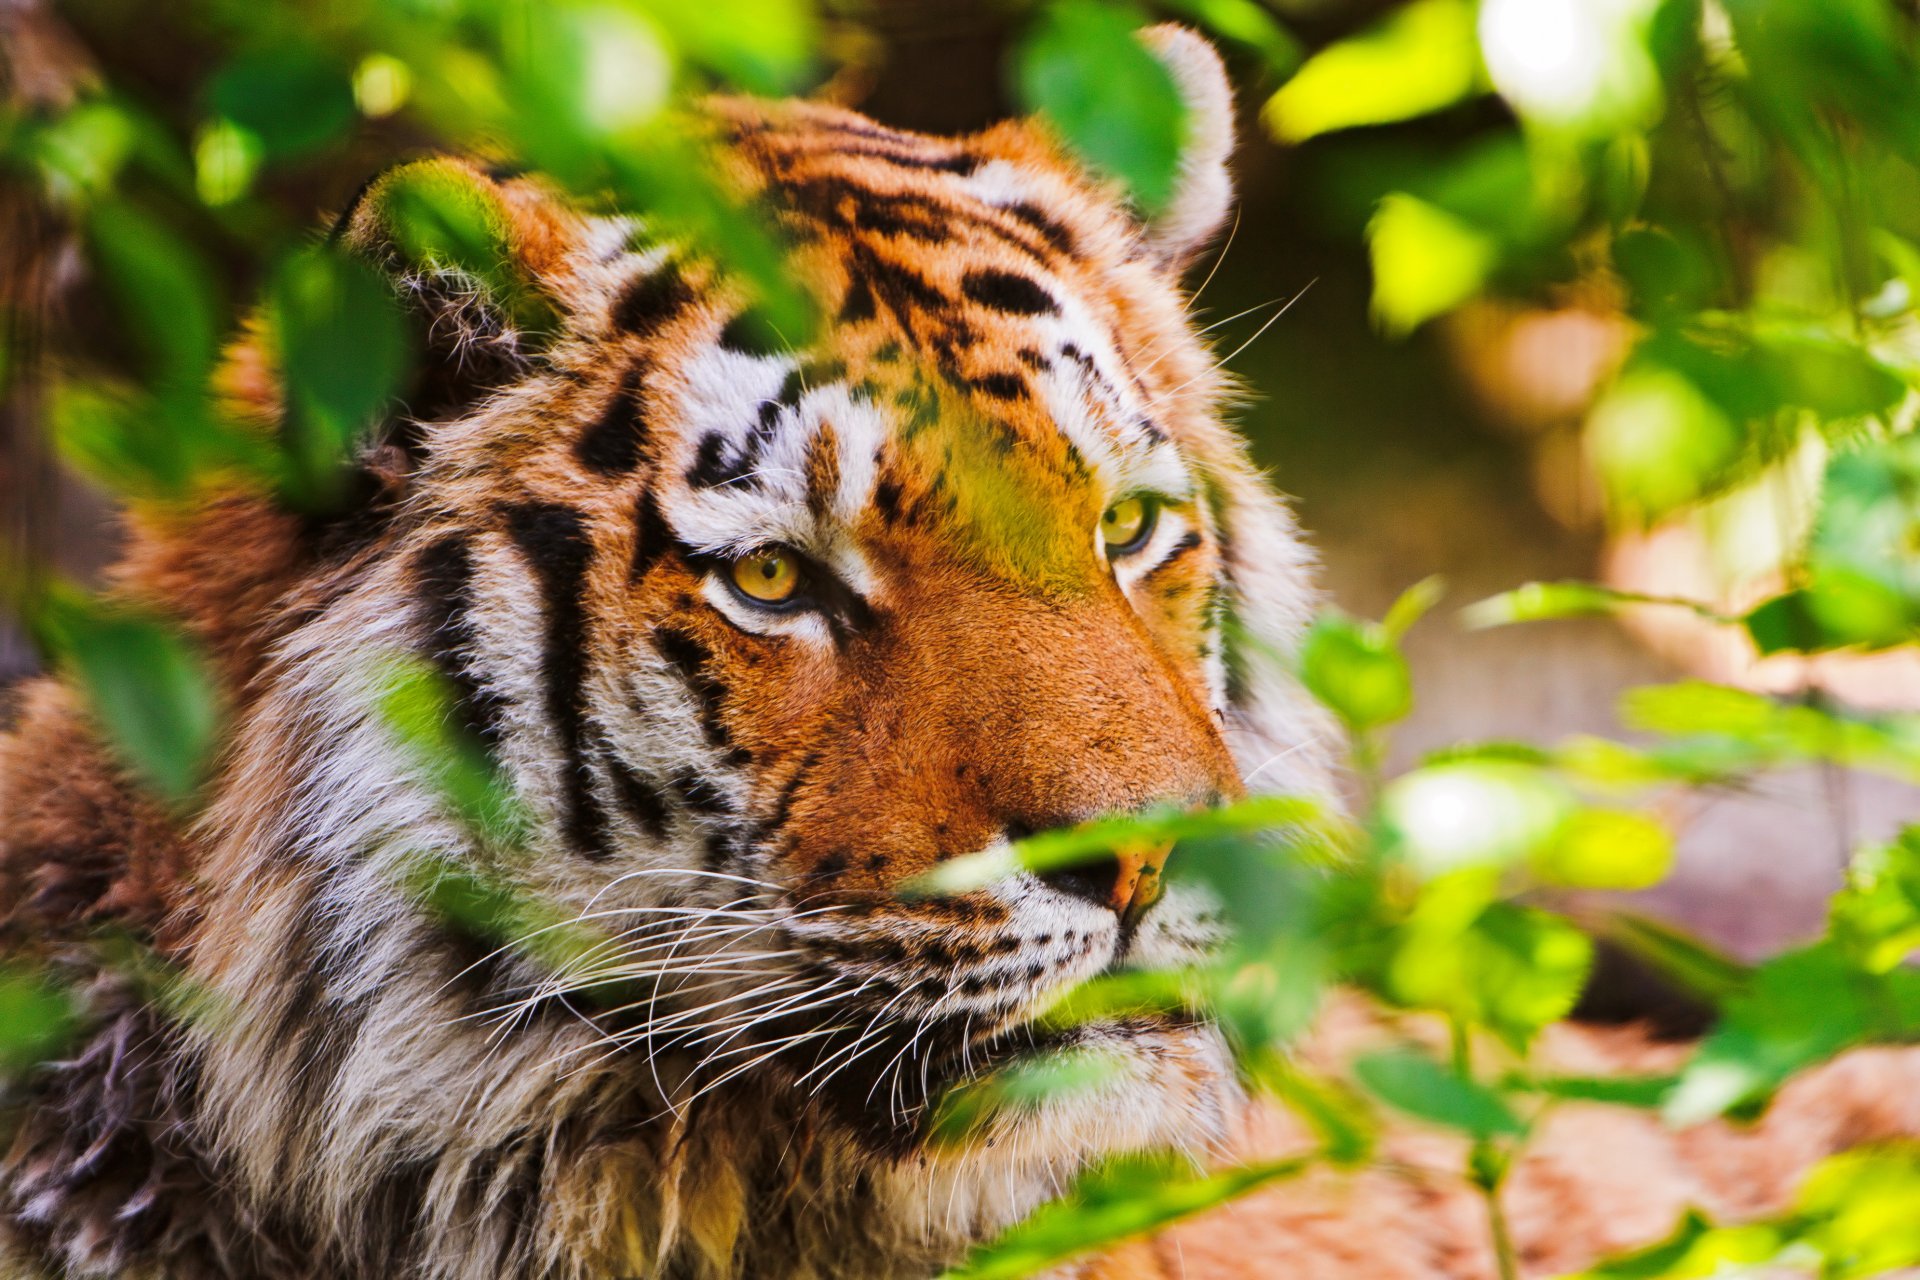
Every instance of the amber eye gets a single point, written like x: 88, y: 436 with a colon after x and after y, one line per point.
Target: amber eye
x: 770, y: 575
x: 1126, y: 525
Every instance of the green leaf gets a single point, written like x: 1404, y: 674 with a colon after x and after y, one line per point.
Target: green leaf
x: 1692, y: 964
x: 971, y: 1111
x: 1798, y: 1009
x: 1419, y: 59
x: 1114, y: 103
x: 1696, y: 1250
x: 1605, y: 849
x: 1246, y: 23
x: 763, y: 46
x: 344, y: 352
x: 1658, y: 441
x: 1425, y: 260
x: 1412, y: 605
x: 1070, y: 846
x: 1509, y: 969
x: 1619, y: 1091
x: 1357, y: 671
x: 147, y: 686
x: 37, y: 1021
x: 1875, y: 918
x: 289, y: 96
x: 165, y: 291
x: 1121, y: 1200
x: 1410, y: 1081
x: 1489, y: 813
x: 417, y: 704
x: 1544, y: 601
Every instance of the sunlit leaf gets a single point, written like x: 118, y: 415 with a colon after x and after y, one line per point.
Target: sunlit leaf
x: 1082, y: 67
x: 1419, y: 59
x: 1658, y: 442
x: 1357, y: 671
x: 1474, y: 813
x: 419, y: 708
x: 1605, y: 849
x: 1696, y: 1250
x: 763, y: 46
x: 1509, y: 969
x: 1425, y: 262
x: 1875, y: 918
x: 1119, y: 1201
x: 1573, y: 64
x: 1410, y: 1081
x: 1412, y: 605
x: 1543, y: 601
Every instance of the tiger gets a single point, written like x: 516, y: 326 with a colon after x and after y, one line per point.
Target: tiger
x: 753, y: 636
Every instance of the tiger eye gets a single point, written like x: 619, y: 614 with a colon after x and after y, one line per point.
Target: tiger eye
x: 771, y: 576
x: 1125, y: 524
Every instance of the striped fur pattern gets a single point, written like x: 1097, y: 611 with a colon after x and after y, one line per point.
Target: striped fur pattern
x: 736, y: 1078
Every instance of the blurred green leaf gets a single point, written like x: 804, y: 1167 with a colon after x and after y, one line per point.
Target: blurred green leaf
x: 1658, y: 442
x: 1690, y: 963
x: 1418, y: 59
x: 149, y: 689
x: 165, y: 291
x: 1488, y: 813
x: 1357, y: 671
x: 1696, y: 1250
x: 1410, y: 1081
x: 1543, y: 601
x: 1509, y: 969
x: 968, y: 1111
x: 1864, y: 1207
x: 1083, y: 68
x: 1620, y: 1091
x: 1875, y: 918
x: 1412, y: 605
x: 290, y: 97
x: 1605, y: 849
x: 763, y: 46
x: 344, y: 353
x: 1245, y: 23
x: 1069, y: 846
x: 37, y: 1021
x: 1796, y: 1010
x: 417, y: 704
x: 1769, y: 733
x: 1121, y: 1200
x: 1425, y: 262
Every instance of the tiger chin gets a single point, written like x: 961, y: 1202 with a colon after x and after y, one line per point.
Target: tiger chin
x: 753, y: 637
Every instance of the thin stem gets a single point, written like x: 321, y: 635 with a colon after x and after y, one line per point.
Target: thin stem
x: 1486, y: 1164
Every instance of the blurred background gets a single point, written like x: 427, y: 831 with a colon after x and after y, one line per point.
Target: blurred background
x: 1465, y: 233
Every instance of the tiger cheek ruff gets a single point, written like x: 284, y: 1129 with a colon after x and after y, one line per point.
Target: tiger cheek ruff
x: 756, y: 636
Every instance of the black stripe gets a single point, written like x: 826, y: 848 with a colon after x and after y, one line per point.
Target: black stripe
x: 554, y: 540
x: 700, y: 795
x: 444, y: 578
x: 1008, y: 291
x: 649, y: 303
x: 643, y: 804
x: 612, y: 444
x: 692, y: 660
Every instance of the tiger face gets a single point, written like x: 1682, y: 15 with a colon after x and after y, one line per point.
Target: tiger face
x: 757, y: 636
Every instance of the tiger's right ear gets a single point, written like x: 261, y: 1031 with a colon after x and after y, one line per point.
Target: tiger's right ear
x: 480, y: 257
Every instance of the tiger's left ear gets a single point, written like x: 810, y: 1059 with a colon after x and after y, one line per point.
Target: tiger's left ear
x: 1203, y: 188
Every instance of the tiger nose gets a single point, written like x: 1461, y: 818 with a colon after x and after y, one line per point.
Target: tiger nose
x: 1137, y: 886
x: 1127, y: 880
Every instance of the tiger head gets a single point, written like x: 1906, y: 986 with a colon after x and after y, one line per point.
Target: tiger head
x: 755, y: 637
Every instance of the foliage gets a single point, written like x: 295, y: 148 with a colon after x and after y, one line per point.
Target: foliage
x: 1737, y: 176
